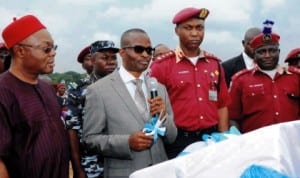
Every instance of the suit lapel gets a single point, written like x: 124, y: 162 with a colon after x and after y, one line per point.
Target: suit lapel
x: 241, y: 62
x: 121, y: 89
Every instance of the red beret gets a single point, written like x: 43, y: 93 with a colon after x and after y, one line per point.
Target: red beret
x: 264, y: 39
x: 20, y: 29
x: 83, y: 52
x: 293, y: 54
x: 190, y: 12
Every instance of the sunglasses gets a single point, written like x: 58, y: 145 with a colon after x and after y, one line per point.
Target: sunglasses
x: 140, y: 49
x: 46, y: 50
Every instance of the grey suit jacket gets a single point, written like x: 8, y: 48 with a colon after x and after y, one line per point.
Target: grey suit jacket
x: 111, y: 116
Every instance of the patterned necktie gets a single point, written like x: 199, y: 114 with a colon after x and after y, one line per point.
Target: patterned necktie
x: 139, y: 97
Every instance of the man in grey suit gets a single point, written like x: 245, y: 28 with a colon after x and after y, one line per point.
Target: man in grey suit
x: 113, y: 123
x: 242, y: 61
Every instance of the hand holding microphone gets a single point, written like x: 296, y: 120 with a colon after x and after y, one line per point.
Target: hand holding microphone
x: 156, y: 103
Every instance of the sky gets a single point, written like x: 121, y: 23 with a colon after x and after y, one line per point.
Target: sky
x: 75, y: 24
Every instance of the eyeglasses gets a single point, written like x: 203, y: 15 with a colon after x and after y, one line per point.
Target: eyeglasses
x: 46, y: 50
x: 140, y: 49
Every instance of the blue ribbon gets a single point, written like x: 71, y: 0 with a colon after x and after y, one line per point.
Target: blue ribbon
x: 153, y: 129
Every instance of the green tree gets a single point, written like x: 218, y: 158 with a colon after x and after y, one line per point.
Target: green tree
x: 68, y: 77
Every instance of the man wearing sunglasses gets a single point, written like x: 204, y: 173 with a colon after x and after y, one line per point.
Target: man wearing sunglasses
x: 103, y: 56
x: 116, y: 112
x: 195, y: 82
x: 33, y: 141
x: 268, y: 93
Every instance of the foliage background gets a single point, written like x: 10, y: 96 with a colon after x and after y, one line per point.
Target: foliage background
x: 68, y: 77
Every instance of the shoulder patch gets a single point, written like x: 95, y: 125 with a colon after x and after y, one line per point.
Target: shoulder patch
x: 211, y: 56
x: 294, y: 69
x: 167, y: 55
x: 240, y: 73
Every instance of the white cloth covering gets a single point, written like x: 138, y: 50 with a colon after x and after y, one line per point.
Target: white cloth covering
x: 276, y: 147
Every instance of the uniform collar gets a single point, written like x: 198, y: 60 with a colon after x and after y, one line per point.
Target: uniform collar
x: 279, y: 69
x: 180, y: 55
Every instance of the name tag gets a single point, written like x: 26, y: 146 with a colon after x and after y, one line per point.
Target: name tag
x: 212, y: 95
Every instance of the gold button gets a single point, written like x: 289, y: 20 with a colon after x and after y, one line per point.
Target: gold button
x: 181, y: 81
x: 196, y: 69
x: 276, y: 113
x: 201, y: 117
x: 200, y: 99
x: 198, y: 85
x: 275, y: 96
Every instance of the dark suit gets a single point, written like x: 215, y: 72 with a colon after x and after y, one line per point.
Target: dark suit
x: 232, y: 66
x: 111, y: 117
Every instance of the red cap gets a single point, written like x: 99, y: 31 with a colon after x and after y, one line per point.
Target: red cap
x: 20, y: 29
x: 293, y: 54
x: 83, y: 52
x: 264, y: 39
x: 190, y: 12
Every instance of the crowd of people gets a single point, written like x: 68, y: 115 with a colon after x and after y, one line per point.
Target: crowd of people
x: 96, y: 123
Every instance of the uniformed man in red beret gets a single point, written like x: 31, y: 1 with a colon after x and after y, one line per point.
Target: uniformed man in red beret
x: 293, y: 58
x: 84, y: 58
x: 268, y: 93
x: 195, y: 82
x: 33, y: 140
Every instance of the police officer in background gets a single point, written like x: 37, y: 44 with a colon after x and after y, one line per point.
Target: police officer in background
x: 103, y: 57
x: 267, y: 94
x: 195, y: 82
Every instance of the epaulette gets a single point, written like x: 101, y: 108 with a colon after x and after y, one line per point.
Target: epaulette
x: 211, y: 56
x: 240, y: 73
x: 164, y: 56
x: 294, y: 69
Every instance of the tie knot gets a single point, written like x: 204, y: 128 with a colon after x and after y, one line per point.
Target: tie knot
x: 137, y: 82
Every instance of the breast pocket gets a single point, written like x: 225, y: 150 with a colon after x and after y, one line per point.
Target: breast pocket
x: 182, y: 83
x: 254, y: 91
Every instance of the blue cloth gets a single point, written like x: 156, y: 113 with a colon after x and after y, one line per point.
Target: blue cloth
x: 217, y: 136
x: 257, y: 171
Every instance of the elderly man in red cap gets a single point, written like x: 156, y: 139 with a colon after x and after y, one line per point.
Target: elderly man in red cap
x: 268, y: 93
x: 195, y: 82
x: 293, y: 58
x: 33, y: 140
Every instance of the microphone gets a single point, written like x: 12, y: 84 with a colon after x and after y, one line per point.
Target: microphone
x: 153, y: 84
